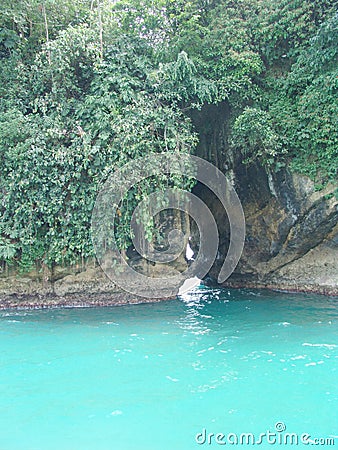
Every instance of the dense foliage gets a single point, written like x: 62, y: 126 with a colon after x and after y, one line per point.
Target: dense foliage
x: 87, y: 85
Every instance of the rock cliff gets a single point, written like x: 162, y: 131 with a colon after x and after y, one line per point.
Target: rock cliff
x: 291, y: 229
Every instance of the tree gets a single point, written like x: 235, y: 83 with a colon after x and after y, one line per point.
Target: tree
x: 87, y: 86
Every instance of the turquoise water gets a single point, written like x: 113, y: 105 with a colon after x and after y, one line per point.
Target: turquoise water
x: 153, y: 376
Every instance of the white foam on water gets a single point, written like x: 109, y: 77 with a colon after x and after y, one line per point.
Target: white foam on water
x: 188, y: 285
x: 329, y: 346
x: 175, y: 380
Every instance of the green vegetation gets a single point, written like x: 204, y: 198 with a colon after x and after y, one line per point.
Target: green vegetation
x: 87, y: 85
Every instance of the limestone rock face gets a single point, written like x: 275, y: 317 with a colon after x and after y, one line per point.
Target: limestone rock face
x: 90, y: 281
x: 291, y: 238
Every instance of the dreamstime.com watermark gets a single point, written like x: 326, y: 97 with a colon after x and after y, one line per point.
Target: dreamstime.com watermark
x: 171, y: 281
x: 277, y: 437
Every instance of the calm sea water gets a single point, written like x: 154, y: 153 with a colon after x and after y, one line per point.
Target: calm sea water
x: 159, y: 376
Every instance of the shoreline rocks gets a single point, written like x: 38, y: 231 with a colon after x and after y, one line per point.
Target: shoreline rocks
x: 120, y: 298
x: 72, y: 301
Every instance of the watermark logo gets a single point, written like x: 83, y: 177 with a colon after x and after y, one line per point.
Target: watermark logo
x: 113, y: 261
x: 279, y: 436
